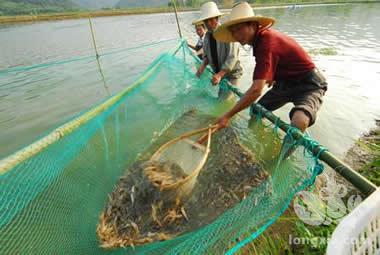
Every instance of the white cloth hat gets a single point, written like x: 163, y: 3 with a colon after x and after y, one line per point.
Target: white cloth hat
x: 240, y: 13
x: 208, y: 10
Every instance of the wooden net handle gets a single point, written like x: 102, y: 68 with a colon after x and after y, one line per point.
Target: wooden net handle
x: 157, y: 154
x: 203, y: 138
x: 197, y: 169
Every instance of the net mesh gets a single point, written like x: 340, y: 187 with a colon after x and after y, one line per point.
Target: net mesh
x: 184, y: 154
x: 50, y: 201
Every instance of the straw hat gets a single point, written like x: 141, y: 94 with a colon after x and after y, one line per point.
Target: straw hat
x: 240, y: 13
x: 208, y: 10
x: 197, y: 23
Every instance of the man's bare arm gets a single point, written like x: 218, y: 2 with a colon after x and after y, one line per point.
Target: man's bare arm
x: 202, y: 67
x: 252, y: 94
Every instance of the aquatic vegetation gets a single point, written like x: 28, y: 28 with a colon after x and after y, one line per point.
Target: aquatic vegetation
x: 365, y: 155
x: 324, y: 51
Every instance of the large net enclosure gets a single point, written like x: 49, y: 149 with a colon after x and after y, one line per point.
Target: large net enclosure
x: 82, y: 187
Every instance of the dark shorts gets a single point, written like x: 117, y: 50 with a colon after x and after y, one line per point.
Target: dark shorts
x: 305, y: 93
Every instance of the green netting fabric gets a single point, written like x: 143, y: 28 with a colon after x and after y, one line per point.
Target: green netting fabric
x: 50, y: 199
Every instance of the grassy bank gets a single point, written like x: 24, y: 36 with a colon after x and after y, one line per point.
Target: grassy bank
x: 365, y: 155
x: 82, y: 14
x: 121, y: 12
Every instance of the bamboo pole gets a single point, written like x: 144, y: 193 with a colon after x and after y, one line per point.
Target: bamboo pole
x: 359, y: 181
x: 176, y: 17
x: 97, y: 57
x: 93, y: 37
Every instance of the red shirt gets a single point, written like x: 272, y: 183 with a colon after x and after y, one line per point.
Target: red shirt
x: 279, y: 57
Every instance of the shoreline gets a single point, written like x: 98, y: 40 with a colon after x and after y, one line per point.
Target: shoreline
x: 364, y: 155
x: 7, y: 20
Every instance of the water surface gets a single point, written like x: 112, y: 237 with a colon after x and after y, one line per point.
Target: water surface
x: 35, y: 100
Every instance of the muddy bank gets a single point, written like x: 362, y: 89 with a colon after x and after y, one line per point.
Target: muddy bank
x: 364, y: 155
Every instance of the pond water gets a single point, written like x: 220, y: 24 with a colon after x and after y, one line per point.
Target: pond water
x: 343, y: 41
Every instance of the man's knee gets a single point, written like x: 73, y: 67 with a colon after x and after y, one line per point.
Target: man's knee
x: 300, y: 120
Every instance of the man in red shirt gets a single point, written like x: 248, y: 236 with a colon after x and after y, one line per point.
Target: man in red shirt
x: 281, y: 64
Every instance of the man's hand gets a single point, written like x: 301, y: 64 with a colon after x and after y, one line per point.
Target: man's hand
x: 202, y: 67
x: 216, y: 127
x: 200, y: 70
x: 223, y: 122
x: 217, y: 77
x: 190, y: 45
x: 252, y: 94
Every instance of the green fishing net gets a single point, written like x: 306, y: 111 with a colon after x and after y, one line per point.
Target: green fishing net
x: 52, y: 192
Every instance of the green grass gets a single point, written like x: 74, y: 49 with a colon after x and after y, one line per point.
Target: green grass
x: 282, y: 237
x: 31, y: 7
x: 80, y: 14
x: 372, y: 169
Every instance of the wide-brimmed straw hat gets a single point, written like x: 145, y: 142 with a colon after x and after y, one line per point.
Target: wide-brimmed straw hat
x: 240, y: 13
x: 208, y: 10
